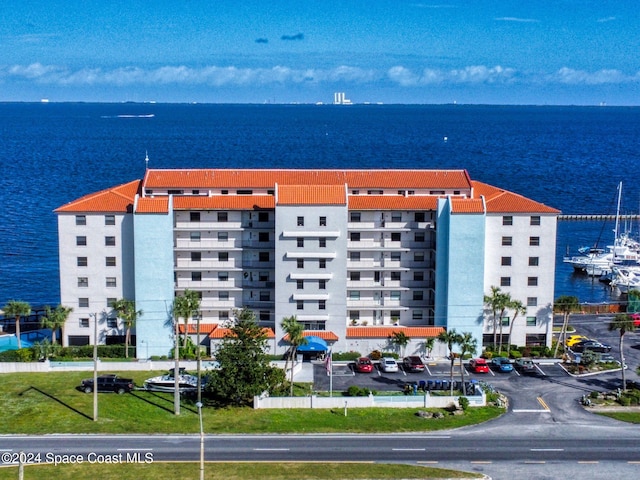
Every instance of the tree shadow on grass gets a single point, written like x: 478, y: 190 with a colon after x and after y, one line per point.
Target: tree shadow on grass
x: 48, y: 395
x: 158, y: 398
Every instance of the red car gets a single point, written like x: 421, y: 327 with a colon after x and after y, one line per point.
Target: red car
x: 364, y: 365
x: 636, y: 319
x: 478, y: 365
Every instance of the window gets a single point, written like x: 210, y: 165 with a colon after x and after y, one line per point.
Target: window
x: 263, y: 256
x: 111, y: 302
x: 505, y: 321
x: 81, y: 219
x: 223, y: 276
x: 354, y: 236
x: 396, y: 256
x: 418, y: 276
x: 195, y: 192
x: 507, y: 220
x: 244, y: 192
x: 223, y: 236
x: 300, y: 242
x: 375, y: 192
x: 112, y: 322
x: 263, y: 217
x: 84, y: 323
x: 223, y: 217
x: 395, y: 276
x: 265, y: 296
x: 355, y: 217
x: 223, y: 295
x: 83, y: 281
x: 354, y: 315
x: 396, y: 237
x: 354, y: 295
x: 110, y: 261
x: 395, y: 295
x: 81, y: 241
x: 322, y: 304
x: 534, y: 261
x: 300, y: 262
x: 109, y: 219
x: 194, y: 216
x: 354, y: 276
x: 396, y: 217
x: 263, y: 276
x: 534, y: 241
x: 223, y: 256
x: 194, y: 236
x: 300, y: 221
x: 418, y: 257
x: 322, y: 242
x: 532, y: 301
x: 419, y: 237
x: 82, y: 261
x: 175, y: 192
x: 419, y: 217
x: 263, y: 237
x: 354, y: 256
x: 395, y: 316
x: 83, y: 302
x: 531, y: 321
x: 299, y: 284
x: 506, y: 261
x: 224, y: 192
x: 223, y: 316
x: 110, y: 241
x: 322, y: 221
x: 264, y: 316
x: 355, y: 192
x: 532, y: 281
x: 299, y: 305
x: 505, y: 281
x: 322, y: 284
x: 196, y: 256
x: 322, y: 263
x: 111, y: 282
x: 418, y: 295
x: 535, y: 220
x: 507, y: 241
x: 417, y: 315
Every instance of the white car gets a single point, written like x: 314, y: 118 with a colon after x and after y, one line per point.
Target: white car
x: 388, y: 364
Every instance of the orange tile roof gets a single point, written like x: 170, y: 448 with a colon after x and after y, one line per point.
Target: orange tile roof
x: 224, y: 202
x: 467, y: 205
x: 323, y: 334
x: 152, y: 205
x: 392, y: 202
x: 385, y: 332
x: 312, y: 195
x: 116, y: 199
x: 205, y: 328
x: 265, y: 178
x: 222, y: 332
x: 503, y: 201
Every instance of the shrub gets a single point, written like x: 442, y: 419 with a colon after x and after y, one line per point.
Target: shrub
x: 594, y: 395
x: 346, y: 356
x: 487, y: 354
x: 624, y: 401
x: 356, y: 391
x: 515, y: 354
x: 22, y: 355
x: 375, y: 355
x: 463, y: 402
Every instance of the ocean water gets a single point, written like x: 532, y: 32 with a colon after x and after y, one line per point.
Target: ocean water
x: 571, y: 158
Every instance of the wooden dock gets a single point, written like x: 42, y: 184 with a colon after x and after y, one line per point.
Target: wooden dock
x: 597, y: 217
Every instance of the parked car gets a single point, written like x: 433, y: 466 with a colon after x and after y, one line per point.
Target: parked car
x: 388, y: 365
x: 503, y: 364
x: 108, y: 383
x: 636, y: 319
x: 573, y: 339
x: 478, y: 365
x: 413, y: 364
x: 364, y: 365
x: 592, y: 345
x: 525, y: 365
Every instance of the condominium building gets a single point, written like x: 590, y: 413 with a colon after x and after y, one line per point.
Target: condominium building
x: 352, y: 254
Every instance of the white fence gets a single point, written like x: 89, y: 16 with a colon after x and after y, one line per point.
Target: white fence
x: 48, y: 366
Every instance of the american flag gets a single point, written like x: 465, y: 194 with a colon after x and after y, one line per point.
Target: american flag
x: 327, y: 362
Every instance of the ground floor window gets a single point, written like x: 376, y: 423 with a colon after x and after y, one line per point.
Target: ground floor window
x: 78, y: 340
x: 536, y: 340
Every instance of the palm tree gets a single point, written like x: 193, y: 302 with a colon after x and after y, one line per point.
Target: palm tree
x: 450, y: 338
x: 468, y: 344
x: 498, y: 301
x: 17, y: 309
x: 186, y: 306
x: 399, y: 339
x: 518, y: 309
x: 55, y: 319
x: 565, y: 304
x: 623, y: 323
x: 294, y: 330
x: 126, y: 310
x: 428, y: 345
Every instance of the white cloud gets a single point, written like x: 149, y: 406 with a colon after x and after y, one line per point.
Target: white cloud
x: 516, y: 19
x: 468, y: 75
x: 606, y: 19
x: 580, y: 77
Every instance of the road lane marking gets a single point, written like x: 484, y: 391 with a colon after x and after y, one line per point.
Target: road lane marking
x: 483, y: 462
x: 546, y: 449
x: 588, y: 462
x: 408, y: 449
x: 530, y: 410
x: 535, y: 462
x: 271, y: 449
x: 542, y: 402
x: 427, y: 462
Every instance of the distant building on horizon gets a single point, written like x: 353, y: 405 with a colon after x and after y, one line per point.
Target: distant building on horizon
x: 340, y: 99
x: 354, y: 255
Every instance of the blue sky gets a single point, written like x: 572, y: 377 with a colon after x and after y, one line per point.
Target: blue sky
x: 583, y: 52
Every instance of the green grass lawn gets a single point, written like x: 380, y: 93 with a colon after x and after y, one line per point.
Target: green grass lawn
x: 39, y: 403
x: 234, y: 471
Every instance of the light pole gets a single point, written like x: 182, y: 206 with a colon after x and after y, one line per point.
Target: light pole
x: 199, y: 405
x: 95, y: 367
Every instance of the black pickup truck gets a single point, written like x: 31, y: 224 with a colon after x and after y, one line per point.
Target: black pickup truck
x: 108, y: 383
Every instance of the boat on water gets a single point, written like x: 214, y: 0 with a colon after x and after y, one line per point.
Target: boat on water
x: 167, y: 382
x: 626, y: 278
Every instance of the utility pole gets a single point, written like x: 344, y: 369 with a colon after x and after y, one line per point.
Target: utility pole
x: 95, y: 367
x: 176, y: 372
